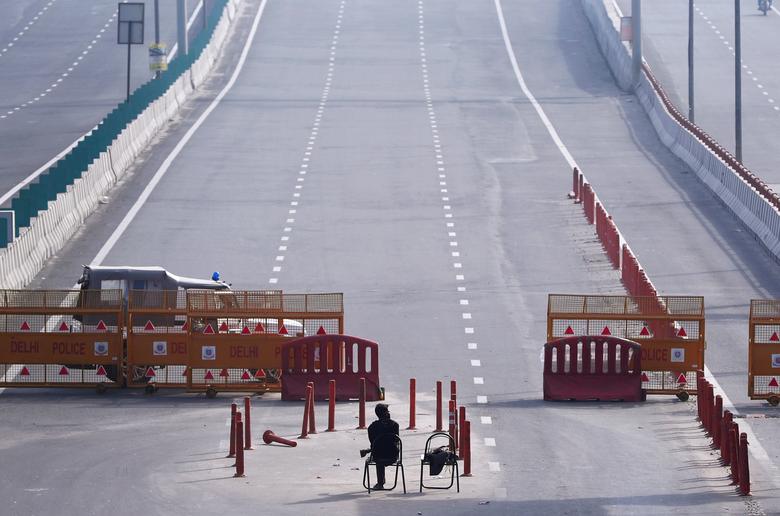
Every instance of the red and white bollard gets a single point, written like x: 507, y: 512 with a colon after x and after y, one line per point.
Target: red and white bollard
x: 270, y: 437
x: 439, y: 427
x: 453, y: 425
x: 312, y: 425
x: 233, y: 410
x: 239, y: 446
x: 467, y: 448
x: 247, y: 423
x: 332, y: 406
x: 461, y: 431
x: 412, y: 402
x: 362, y: 408
x: 305, y: 425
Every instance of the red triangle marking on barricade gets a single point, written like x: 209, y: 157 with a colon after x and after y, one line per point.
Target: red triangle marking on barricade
x: 223, y: 326
x: 283, y: 330
x: 184, y: 373
x: 568, y: 331
x: 224, y: 373
x: 101, y: 325
x: 24, y: 326
x: 185, y: 326
x: 64, y: 371
x: 645, y: 332
x: 606, y: 331
x: 245, y: 331
x: 246, y: 376
x: 101, y: 371
x: 774, y: 337
x: 682, y: 333
x: 259, y: 328
x: 150, y: 372
x: 773, y: 382
x: 64, y: 327
x: 321, y: 331
x: 209, y: 330
x: 260, y: 374
x: 149, y: 326
x: 25, y: 371
x: 681, y: 379
x: 208, y: 376
x: 645, y: 378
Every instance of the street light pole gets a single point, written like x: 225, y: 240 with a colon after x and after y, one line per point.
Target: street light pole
x: 690, y: 61
x: 157, y: 29
x: 737, y: 81
x: 636, y: 46
x: 181, y: 24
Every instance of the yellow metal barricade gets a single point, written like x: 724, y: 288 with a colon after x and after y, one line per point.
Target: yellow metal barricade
x: 764, y: 351
x: 157, y: 339
x: 670, y: 330
x: 61, y: 338
x: 235, y: 337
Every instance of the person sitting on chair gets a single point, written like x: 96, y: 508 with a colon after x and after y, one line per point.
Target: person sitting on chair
x: 386, y: 451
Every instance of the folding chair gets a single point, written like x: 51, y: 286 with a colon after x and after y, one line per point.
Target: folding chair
x: 451, y: 460
x: 371, y: 460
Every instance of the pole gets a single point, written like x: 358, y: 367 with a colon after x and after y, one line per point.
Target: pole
x: 690, y: 61
x: 412, y: 399
x: 636, y: 44
x: 331, y: 406
x: 737, y: 81
x: 233, y: 410
x: 247, y: 423
x: 181, y: 25
x: 205, y: 18
x: 127, y: 97
x: 438, y: 406
x: 157, y: 30
x: 239, y: 446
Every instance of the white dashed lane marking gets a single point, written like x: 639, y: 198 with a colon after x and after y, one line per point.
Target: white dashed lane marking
x: 747, y: 69
x: 306, y: 158
x: 56, y: 83
x: 449, y: 210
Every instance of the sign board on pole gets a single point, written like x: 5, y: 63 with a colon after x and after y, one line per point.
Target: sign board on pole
x: 131, y: 24
x: 158, y: 54
x: 626, y: 34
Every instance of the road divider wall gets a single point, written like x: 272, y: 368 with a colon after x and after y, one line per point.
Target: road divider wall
x: 747, y: 196
x: 49, y: 211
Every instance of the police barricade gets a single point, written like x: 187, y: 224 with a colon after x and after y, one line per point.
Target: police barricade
x: 236, y: 337
x: 63, y: 338
x: 321, y: 358
x: 593, y: 368
x: 764, y: 351
x: 670, y: 330
x: 157, y: 339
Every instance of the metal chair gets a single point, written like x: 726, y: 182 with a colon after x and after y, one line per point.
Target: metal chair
x: 371, y: 460
x: 451, y: 460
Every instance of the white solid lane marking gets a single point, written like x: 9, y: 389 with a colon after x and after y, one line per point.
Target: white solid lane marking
x: 537, y: 107
x: 163, y: 169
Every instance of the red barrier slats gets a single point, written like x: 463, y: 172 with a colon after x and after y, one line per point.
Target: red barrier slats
x: 547, y: 363
x: 624, y: 351
x: 599, y: 369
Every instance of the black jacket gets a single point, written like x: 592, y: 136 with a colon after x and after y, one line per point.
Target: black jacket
x: 386, y: 449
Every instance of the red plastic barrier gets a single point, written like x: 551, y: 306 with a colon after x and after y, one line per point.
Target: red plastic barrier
x: 613, y: 379
x: 321, y: 358
x: 588, y: 200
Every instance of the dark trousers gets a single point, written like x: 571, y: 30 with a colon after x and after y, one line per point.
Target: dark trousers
x: 380, y: 473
